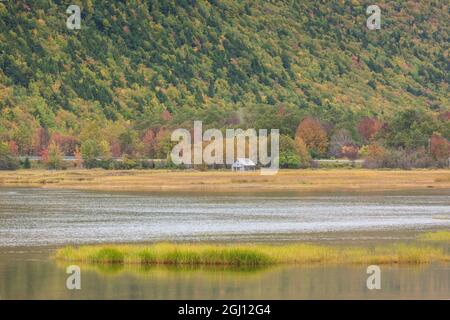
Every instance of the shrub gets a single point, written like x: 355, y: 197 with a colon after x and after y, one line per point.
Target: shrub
x: 54, y: 157
x: 145, y: 164
x: 290, y: 160
x: 339, y: 139
x: 302, y: 152
x: 374, y: 155
x: 350, y: 151
x: 26, y: 163
x: 7, y: 160
x: 399, y: 158
x: 129, y: 163
x: 293, y: 153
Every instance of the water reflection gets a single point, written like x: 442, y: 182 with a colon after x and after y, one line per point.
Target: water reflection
x: 32, y: 275
x: 163, y: 270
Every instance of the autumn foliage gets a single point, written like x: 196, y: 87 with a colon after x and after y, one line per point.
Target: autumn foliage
x: 350, y: 151
x: 375, y: 152
x: 41, y: 141
x: 166, y: 115
x: 66, y: 143
x: 302, y: 150
x: 311, y: 132
x: 439, y: 147
x: 149, y: 142
x: 368, y: 127
x: 13, y: 148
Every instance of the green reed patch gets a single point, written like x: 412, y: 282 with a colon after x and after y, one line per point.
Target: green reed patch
x: 248, y: 255
x: 107, y: 255
x: 147, y: 256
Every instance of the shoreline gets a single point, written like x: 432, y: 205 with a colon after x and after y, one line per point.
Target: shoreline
x: 287, y: 180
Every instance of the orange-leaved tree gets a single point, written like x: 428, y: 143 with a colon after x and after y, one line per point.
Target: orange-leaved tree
x: 313, y: 135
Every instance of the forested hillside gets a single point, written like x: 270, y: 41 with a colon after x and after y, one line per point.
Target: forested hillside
x: 138, y: 68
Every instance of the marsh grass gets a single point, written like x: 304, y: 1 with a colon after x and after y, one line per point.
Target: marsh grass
x: 108, y: 255
x: 435, y: 236
x: 250, y: 255
x: 311, y: 180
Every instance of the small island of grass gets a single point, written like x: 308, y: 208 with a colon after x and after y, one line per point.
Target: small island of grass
x: 250, y: 254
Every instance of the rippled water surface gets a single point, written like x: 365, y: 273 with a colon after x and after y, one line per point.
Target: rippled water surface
x: 40, y: 217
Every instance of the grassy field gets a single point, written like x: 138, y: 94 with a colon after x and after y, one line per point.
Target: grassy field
x: 325, y: 180
x: 250, y: 255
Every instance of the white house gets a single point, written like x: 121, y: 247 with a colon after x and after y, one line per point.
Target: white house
x: 243, y: 164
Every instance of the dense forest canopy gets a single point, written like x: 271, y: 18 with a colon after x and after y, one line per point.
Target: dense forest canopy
x: 138, y: 68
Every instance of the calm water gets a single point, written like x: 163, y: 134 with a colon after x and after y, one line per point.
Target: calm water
x: 34, y: 222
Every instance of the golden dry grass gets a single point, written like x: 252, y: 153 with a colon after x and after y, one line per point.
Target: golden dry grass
x: 249, y: 254
x: 225, y: 181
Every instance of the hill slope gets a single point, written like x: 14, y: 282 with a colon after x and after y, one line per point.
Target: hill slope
x: 146, y: 63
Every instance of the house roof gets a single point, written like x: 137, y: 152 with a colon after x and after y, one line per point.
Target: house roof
x: 244, y: 162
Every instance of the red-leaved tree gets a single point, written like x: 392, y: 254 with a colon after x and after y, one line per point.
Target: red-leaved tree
x: 149, y: 142
x: 66, y: 143
x: 13, y: 148
x: 368, y: 127
x: 166, y: 115
x: 439, y: 147
x: 41, y: 141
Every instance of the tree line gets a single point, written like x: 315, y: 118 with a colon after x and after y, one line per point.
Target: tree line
x: 410, y: 138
